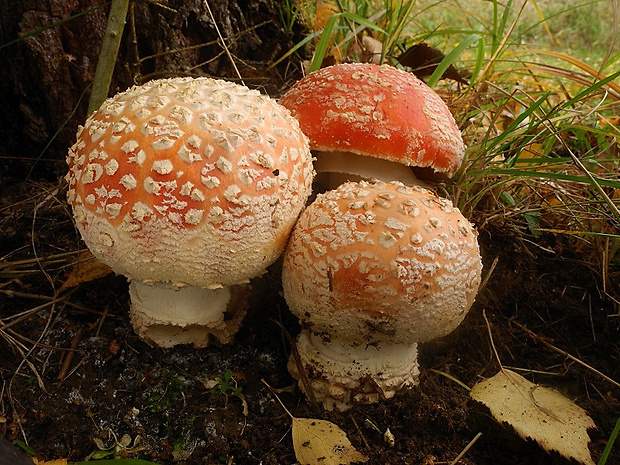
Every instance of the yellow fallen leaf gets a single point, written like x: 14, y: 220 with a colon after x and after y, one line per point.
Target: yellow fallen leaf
x: 86, y: 269
x: 324, y: 10
x: 320, y: 442
x: 542, y: 414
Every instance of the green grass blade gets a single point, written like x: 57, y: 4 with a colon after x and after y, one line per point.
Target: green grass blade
x: 58, y: 131
x: 108, y: 53
x: 29, y: 450
x: 293, y: 49
x: 398, y: 17
x: 326, y: 34
x: 514, y: 173
x: 504, y: 20
x: 494, y: 34
x: 322, y: 46
x: 451, y: 58
x: 610, y: 444
x: 518, y: 120
x: 479, y: 60
x: 590, y: 90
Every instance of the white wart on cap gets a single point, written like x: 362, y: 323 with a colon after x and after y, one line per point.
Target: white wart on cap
x: 372, y: 269
x: 189, y: 187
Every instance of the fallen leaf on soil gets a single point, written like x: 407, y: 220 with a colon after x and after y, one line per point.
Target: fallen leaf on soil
x: 322, y: 442
x: 539, y: 413
x: 86, y: 269
x: 51, y: 462
x: 424, y: 59
x: 114, y: 346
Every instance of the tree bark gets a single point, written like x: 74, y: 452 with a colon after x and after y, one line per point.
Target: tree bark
x: 47, y: 73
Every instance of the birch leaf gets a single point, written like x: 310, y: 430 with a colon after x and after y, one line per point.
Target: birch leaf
x: 320, y: 442
x: 539, y: 413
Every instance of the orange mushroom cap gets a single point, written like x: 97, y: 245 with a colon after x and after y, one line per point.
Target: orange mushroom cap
x: 189, y: 181
x: 381, y: 262
x: 371, y: 270
x: 377, y: 111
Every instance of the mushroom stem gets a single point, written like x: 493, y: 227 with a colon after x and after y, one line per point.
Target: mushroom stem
x: 166, y: 315
x: 341, y: 373
x: 340, y: 167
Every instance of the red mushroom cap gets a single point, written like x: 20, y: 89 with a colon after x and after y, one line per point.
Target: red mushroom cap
x: 377, y: 111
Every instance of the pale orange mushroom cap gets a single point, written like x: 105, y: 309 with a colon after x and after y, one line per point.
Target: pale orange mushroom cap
x: 372, y: 262
x: 376, y: 111
x: 191, y: 181
x: 372, y: 269
x: 188, y: 186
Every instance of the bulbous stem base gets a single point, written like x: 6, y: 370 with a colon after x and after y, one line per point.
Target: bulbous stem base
x: 341, y: 375
x: 164, y: 315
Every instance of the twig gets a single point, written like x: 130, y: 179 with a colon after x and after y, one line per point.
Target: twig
x: 203, y: 44
x: 217, y: 29
x: 50, y: 259
x: 69, y: 356
x: 50, y: 26
x: 300, y: 370
x: 484, y: 315
x: 467, y: 447
x: 540, y: 339
x: 487, y: 276
x: 359, y: 431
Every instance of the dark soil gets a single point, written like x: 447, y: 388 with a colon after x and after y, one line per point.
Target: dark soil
x: 75, y: 379
x: 112, y: 384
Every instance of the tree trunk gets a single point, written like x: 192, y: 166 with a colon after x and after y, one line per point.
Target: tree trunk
x: 48, y: 70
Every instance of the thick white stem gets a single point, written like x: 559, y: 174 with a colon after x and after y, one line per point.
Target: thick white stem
x: 341, y: 374
x: 165, y: 315
x: 180, y: 306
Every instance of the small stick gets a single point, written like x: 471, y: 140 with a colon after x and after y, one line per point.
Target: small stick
x: 69, y: 357
x: 108, y: 54
x: 484, y: 314
x: 103, y: 316
x: 486, y: 278
x: 75, y: 368
x: 538, y: 338
x: 359, y: 431
x: 467, y: 447
x: 224, y: 46
x: 300, y: 369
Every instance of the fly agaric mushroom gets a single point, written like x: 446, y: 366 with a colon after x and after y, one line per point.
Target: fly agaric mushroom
x: 189, y: 187
x: 371, y: 270
x: 354, y: 111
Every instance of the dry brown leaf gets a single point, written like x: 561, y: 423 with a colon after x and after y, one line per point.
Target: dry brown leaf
x: 86, y: 269
x: 320, y: 442
x: 373, y: 49
x: 539, y: 413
